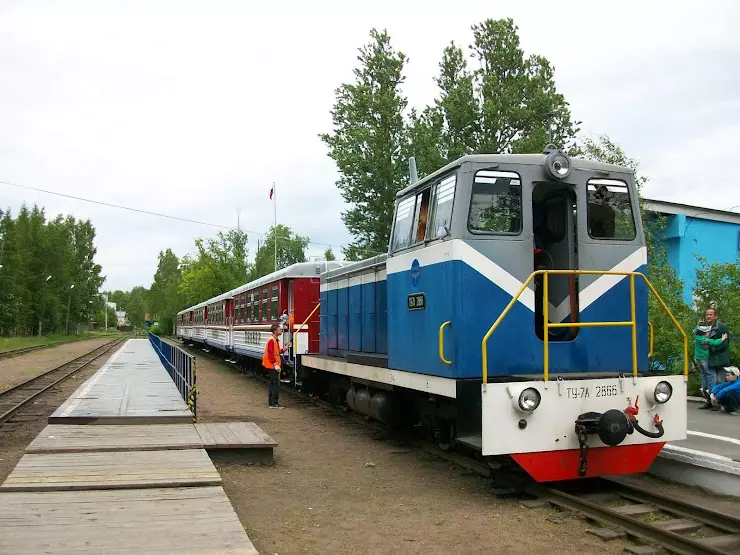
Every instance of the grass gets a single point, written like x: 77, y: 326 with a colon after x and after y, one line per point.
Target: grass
x: 11, y: 343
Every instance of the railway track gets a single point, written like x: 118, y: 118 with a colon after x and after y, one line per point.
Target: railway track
x: 673, y: 524
x: 15, y: 398
x: 24, y: 350
x: 623, y: 508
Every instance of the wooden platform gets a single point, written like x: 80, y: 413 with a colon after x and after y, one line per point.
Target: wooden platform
x: 236, y: 442
x: 61, y: 438
x: 232, y: 441
x: 112, y: 470
x: 178, y: 521
x: 131, y: 388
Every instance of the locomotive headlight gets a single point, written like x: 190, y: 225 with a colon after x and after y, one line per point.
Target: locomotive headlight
x: 663, y: 392
x: 557, y: 165
x: 529, y: 399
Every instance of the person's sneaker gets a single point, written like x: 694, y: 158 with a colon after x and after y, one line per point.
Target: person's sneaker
x: 715, y: 408
x: 276, y: 407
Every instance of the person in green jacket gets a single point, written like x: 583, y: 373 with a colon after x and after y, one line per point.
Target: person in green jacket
x: 716, y: 341
x: 701, y: 355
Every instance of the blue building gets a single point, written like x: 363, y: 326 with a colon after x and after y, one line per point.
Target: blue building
x: 691, y: 230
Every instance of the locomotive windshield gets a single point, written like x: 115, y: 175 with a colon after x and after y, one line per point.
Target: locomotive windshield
x: 496, y: 203
x: 610, y: 210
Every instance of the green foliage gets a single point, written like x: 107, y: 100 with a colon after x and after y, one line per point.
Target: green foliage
x: 329, y: 254
x: 667, y: 341
x: 291, y: 249
x: 31, y: 249
x: 718, y: 285
x: 504, y: 104
x: 367, y: 143
x: 165, y: 299
x: 220, y: 265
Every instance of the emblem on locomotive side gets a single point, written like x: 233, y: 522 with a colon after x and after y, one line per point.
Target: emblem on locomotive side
x: 415, y: 273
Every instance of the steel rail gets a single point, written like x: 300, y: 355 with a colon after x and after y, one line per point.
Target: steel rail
x: 23, y: 350
x: 93, y: 354
x: 676, y: 543
x: 670, y: 504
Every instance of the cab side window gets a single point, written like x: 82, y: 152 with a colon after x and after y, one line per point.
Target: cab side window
x: 444, y: 194
x: 610, y: 210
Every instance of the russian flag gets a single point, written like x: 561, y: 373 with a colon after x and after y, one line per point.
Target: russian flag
x: 272, y: 190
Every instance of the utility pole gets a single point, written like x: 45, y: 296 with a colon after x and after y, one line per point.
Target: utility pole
x: 43, y: 307
x: 69, y: 302
x: 105, y: 309
x: 274, y: 225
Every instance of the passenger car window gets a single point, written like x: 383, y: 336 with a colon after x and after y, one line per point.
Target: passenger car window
x: 444, y: 194
x: 610, y: 210
x: 496, y: 203
x: 274, y: 304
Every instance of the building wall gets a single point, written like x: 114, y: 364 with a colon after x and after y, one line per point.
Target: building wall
x: 687, y: 237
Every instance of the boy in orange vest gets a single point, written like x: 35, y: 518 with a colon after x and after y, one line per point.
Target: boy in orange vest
x: 271, y: 360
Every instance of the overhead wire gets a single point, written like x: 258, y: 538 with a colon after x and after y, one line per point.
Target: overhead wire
x: 160, y: 215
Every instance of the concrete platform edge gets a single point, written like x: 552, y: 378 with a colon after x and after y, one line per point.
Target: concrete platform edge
x: 715, y: 474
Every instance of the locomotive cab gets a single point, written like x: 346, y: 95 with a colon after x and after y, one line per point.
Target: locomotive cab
x: 466, y: 238
x: 527, y: 270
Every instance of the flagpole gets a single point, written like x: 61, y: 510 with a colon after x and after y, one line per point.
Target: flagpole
x: 274, y: 219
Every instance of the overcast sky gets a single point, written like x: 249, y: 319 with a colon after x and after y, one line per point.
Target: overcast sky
x: 194, y: 108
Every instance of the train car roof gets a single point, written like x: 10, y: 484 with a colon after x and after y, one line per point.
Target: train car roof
x: 298, y: 270
x: 522, y: 159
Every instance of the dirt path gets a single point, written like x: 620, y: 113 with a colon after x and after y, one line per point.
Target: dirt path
x: 20, y: 368
x: 28, y: 423
x: 336, y: 489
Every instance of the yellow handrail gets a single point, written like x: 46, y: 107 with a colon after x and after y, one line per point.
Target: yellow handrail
x: 547, y: 325
x: 652, y: 339
x: 442, y: 343
x: 498, y: 321
x: 307, y: 319
x: 295, y: 333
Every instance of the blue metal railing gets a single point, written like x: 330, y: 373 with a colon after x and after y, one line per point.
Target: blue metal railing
x: 181, y: 368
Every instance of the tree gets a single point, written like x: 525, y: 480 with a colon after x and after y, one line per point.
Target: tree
x: 165, y: 298
x: 504, y: 105
x: 220, y: 265
x: 718, y: 285
x: 329, y: 255
x: 368, y: 144
x: 136, y: 306
x: 31, y: 250
x: 291, y: 249
x: 668, y: 344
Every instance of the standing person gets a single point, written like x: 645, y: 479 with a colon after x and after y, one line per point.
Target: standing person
x: 701, y: 356
x: 727, y: 394
x: 719, y: 356
x: 272, y: 361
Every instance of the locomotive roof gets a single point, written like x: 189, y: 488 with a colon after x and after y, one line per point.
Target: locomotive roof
x: 521, y: 159
x: 298, y: 270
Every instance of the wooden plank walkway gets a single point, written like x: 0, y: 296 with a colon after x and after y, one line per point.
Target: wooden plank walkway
x: 236, y: 442
x: 60, y: 438
x: 131, y: 388
x: 233, y: 441
x: 112, y: 470
x: 121, y: 468
x: 152, y: 521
